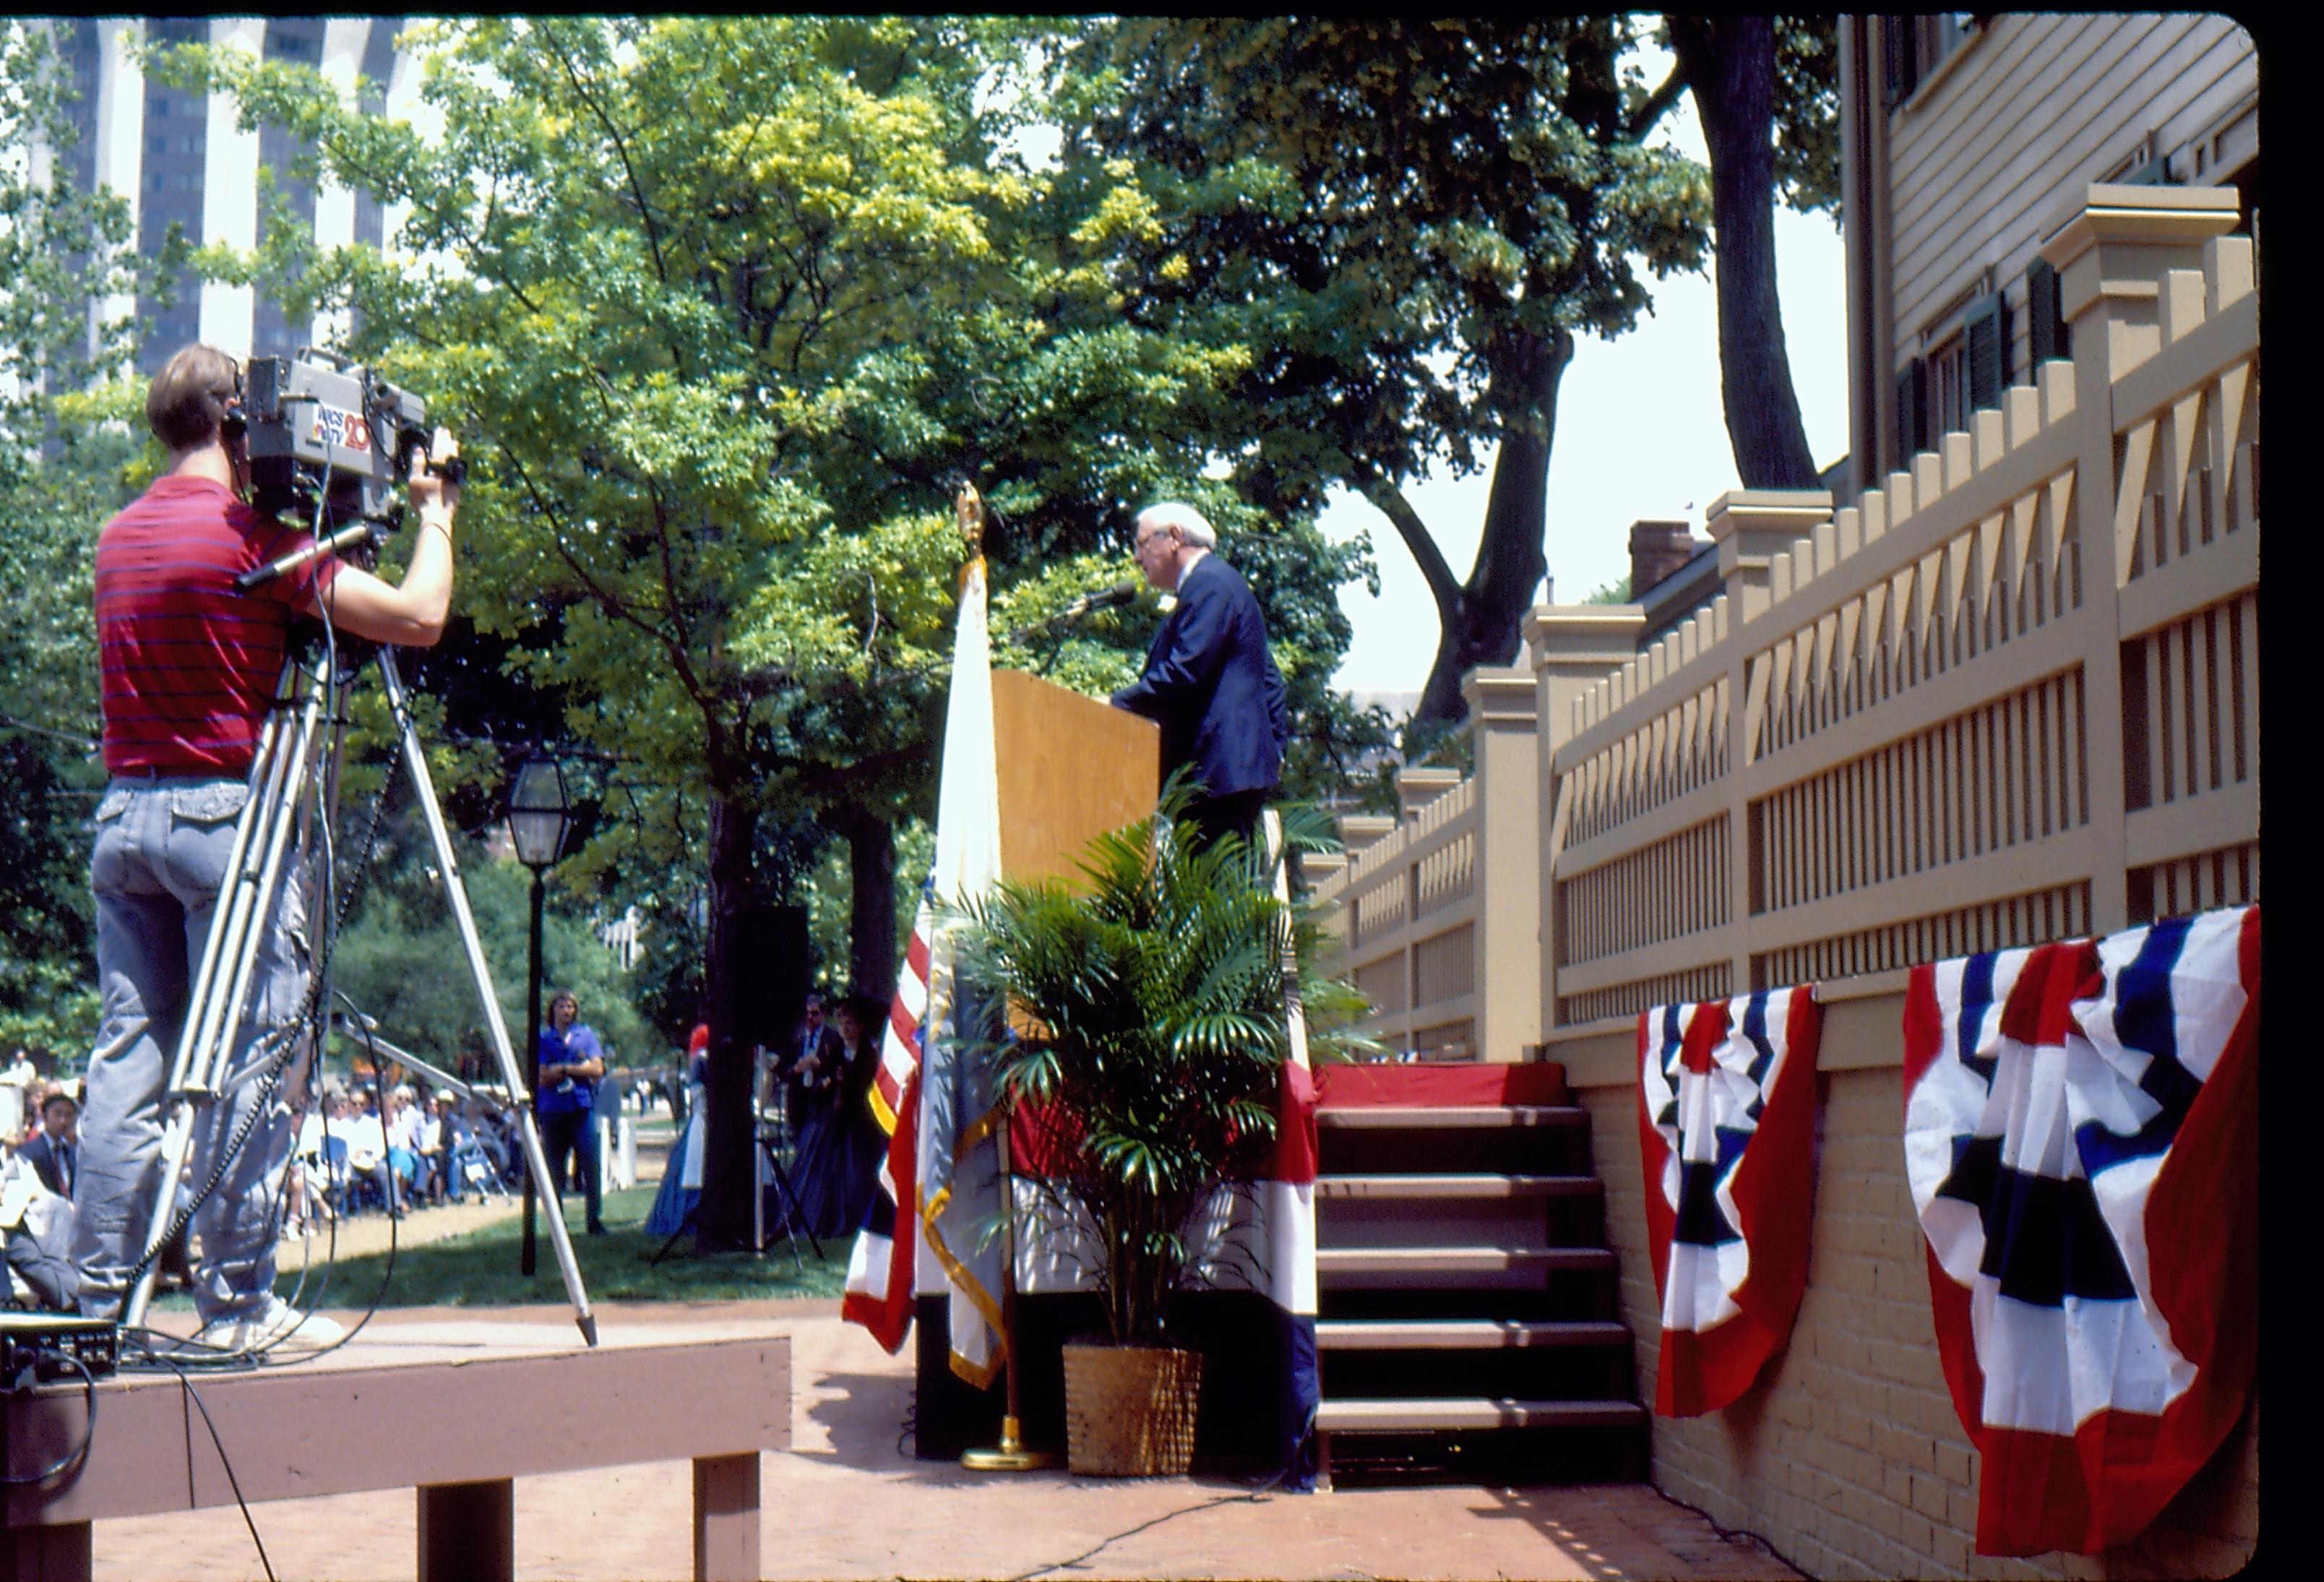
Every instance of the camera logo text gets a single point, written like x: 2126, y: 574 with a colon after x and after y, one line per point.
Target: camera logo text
x: 336, y: 425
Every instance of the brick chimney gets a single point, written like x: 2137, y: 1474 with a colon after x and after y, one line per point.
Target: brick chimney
x: 1657, y: 549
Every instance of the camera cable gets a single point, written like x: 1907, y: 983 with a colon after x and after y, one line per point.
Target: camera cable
x: 186, y: 1382
x: 88, y: 1426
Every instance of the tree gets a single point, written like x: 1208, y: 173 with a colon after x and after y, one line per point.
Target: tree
x: 68, y: 459
x: 1408, y: 223
x: 401, y: 960
x: 1766, y: 88
x: 721, y: 305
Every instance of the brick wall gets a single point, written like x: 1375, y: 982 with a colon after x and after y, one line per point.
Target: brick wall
x: 1847, y: 1455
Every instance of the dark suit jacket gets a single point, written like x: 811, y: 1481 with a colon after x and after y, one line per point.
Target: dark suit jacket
x: 1212, y: 686
x: 41, y: 1153
x: 830, y: 1061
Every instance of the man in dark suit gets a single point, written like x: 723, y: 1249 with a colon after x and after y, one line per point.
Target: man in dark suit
x: 1209, y: 679
x: 815, y: 1060
x: 54, y: 1151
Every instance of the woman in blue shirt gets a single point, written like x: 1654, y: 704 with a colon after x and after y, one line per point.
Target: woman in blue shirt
x: 571, y: 1062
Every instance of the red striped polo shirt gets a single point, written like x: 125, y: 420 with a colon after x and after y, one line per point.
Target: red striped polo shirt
x: 189, y: 664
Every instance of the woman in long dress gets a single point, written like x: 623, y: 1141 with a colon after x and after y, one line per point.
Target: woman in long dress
x: 861, y: 1140
x: 681, y: 1180
x: 840, y: 1140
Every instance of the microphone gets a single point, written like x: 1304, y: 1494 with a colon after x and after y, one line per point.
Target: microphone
x: 345, y: 538
x: 1121, y: 593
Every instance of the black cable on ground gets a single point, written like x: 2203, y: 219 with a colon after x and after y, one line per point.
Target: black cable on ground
x: 1152, y: 1522
x: 1726, y: 1535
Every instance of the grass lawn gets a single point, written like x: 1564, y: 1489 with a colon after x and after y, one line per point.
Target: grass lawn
x: 479, y: 1269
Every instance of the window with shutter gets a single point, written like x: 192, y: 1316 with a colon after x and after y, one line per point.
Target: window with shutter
x: 1916, y: 46
x: 1985, y: 330
x: 1912, y: 436
x: 1896, y: 35
x: 2045, y: 317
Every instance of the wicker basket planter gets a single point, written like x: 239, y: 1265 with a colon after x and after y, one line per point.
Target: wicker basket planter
x: 1130, y: 1410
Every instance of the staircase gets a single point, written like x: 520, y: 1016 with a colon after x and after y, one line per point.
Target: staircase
x: 1466, y: 1323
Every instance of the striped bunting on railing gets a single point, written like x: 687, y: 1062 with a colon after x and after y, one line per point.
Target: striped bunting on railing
x: 2081, y: 1139
x: 1727, y: 1124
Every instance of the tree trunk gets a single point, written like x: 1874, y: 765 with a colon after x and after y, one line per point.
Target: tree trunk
x: 1482, y: 624
x: 872, y: 913
x: 1730, y: 64
x: 729, y: 1172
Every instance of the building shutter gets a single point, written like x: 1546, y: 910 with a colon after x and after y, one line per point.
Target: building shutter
x: 1912, y: 412
x: 2045, y: 314
x: 1897, y: 36
x: 1984, y: 351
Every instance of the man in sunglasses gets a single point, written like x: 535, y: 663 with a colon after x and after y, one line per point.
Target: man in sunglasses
x: 189, y: 666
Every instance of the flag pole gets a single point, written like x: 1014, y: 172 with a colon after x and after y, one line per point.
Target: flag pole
x: 1011, y: 1455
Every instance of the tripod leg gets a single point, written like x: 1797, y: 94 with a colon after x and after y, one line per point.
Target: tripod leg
x: 797, y: 1214
x: 684, y: 1225
x: 415, y: 762
x: 239, y: 920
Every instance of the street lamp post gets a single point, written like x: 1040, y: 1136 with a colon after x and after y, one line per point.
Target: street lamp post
x: 540, y: 817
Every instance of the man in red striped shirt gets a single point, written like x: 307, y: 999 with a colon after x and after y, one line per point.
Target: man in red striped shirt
x: 189, y: 666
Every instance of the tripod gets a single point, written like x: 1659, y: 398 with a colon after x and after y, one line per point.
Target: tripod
x: 768, y: 1134
x: 290, y: 780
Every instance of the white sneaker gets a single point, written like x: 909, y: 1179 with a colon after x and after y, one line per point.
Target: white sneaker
x: 276, y: 1327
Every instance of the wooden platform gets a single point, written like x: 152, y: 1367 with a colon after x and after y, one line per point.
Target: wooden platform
x: 528, y: 1399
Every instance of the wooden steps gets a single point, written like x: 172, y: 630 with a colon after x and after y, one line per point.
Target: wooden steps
x: 1467, y: 1296
x: 1373, y: 1265
x: 1482, y: 1184
x: 1420, y: 1414
x: 1464, y: 1334
x: 1462, y: 1117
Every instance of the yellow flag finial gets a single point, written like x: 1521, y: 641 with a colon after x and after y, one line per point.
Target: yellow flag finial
x: 969, y: 506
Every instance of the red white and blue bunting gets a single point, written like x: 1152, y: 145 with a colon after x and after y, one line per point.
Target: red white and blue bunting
x: 2081, y: 1140
x: 1727, y: 1128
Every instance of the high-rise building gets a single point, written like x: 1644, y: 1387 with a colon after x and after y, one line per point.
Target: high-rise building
x: 179, y: 158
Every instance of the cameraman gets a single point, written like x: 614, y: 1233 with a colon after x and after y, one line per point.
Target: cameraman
x: 189, y: 667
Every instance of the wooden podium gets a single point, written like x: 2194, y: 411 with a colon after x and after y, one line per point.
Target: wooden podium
x: 1071, y: 768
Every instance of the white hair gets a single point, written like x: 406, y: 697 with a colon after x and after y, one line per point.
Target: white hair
x: 1192, y: 524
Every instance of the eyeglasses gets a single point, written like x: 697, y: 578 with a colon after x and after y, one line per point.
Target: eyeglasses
x: 1138, y: 546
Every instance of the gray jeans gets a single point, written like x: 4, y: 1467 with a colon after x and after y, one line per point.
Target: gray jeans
x: 158, y: 862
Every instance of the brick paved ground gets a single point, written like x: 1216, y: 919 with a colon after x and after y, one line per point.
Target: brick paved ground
x: 847, y: 1501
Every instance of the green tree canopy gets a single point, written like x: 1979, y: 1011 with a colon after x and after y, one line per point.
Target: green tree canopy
x: 722, y: 307
x: 1409, y: 223
x: 69, y: 457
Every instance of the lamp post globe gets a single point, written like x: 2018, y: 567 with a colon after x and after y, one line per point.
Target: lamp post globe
x: 540, y: 814
x: 540, y: 817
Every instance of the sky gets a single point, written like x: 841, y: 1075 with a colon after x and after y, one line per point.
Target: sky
x: 1639, y: 434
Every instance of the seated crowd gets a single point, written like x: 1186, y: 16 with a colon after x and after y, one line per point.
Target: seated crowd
x: 430, y: 1149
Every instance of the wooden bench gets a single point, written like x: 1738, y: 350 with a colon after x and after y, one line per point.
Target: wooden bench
x: 370, y: 1417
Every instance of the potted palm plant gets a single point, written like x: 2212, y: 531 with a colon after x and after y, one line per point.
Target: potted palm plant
x: 1137, y: 1022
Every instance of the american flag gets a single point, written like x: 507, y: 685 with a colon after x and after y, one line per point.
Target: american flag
x: 1725, y: 1126
x: 879, y: 1293
x: 934, y: 1097
x: 2081, y: 1139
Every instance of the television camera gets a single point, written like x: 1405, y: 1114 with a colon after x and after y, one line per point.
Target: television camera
x: 331, y: 440
x: 323, y: 432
